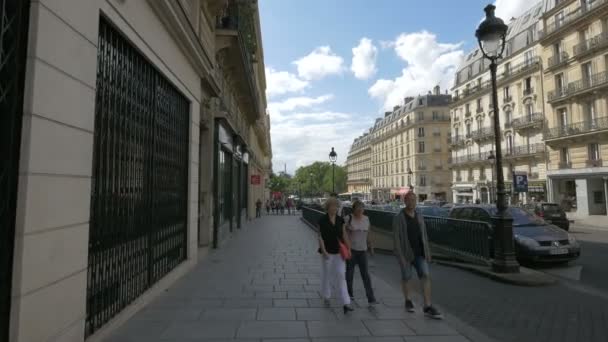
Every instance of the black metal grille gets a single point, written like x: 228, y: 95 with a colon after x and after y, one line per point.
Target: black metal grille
x: 139, y: 196
x: 14, y: 17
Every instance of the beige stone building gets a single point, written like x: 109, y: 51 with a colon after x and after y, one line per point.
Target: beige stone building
x: 359, y: 166
x: 520, y: 100
x: 134, y: 139
x: 409, y: 149
x: 575, y: 57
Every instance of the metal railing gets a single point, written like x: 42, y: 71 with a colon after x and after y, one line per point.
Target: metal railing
x: 527, y: 120
x: 565, y: 165
x: 455, y: 140
x: 472, y: 238
x: 468, y: 92
x: 467, y: 114
x: 597, y: 124
x: 594, y: 163
x: 519, y: 69
x: 555, y: 25
x: 580, y: 86
x: 558, y: 59
x: 528, y: 91
x: 590, y: 45
x: 507, y: 98
x: 471, y: 158
x: 479, y: 110
x: 312, y: 214
x: 524, y: 150
x: 483, y: 133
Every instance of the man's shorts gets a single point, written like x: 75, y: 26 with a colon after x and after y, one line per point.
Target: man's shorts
x: 421, y: 266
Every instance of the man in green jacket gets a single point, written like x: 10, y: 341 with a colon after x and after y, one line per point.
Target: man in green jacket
x: 411, y: 247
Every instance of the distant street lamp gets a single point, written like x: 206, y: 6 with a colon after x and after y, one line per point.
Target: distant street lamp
x: 333, y: 156
x: 491, y: 35
x: 310, y: 187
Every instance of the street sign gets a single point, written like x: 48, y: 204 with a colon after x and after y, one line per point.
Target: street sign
x: 520, y: 182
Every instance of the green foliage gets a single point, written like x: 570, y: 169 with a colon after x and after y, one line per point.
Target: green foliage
x: 316, y: 179
x: 279, y: 183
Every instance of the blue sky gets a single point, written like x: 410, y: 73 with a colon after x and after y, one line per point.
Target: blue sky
x: 333, y: 66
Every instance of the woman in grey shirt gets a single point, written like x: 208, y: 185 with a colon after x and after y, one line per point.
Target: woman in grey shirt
x: 357, y: 226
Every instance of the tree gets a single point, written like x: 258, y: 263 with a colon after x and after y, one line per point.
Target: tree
x: 279, y: 183
x: 320, y: 183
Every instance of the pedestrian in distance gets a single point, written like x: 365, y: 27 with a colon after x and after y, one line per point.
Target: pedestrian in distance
x: 411, y: 247
x: 274, y: 207
x: 267, y: 207
x: 288, y: 204
x: 332, y: 233
x: 258, y: 208
x: 357, y: 227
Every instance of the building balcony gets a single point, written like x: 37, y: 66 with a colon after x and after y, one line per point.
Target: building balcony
x: 482, y: 177
x: 507, y: 99
x: 456, y: 141
x: 524, y: 151
x: 479, y: 110
x: 483, y: 134
x: 597, y: 125
x: 557, y: 61
x: 236, y: 44
x: 467, y: 114
x: 555, y: 25
x: 580, y: 87
x: 436, y: 134
x: 594, y: 163
x: 437, y: 150
x: 421, y: 167
x: 459, y: 178
x: 564, y: 165
x: 475, y: 158
x: 468, y: 93
x: 534, y: 120
x: 519, y: 70
x: 528, y: 91
x: 595, y: 44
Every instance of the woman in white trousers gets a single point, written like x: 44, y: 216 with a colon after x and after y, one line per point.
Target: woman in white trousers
x: 333, y: 267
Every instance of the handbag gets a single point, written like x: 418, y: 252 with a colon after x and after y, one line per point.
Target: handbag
x: 344, y: 251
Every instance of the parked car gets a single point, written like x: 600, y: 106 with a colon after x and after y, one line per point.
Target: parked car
x: 432, y: 210
x: 550, y: 212
x: 535, y: 239
x: 436, y: 203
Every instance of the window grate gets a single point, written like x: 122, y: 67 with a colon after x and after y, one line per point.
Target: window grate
x: 139, y: 197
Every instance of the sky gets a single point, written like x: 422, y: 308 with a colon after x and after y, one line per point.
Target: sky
x: 333, y: 66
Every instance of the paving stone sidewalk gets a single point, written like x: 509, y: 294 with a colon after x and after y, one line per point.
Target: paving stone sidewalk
x: 263, y: 285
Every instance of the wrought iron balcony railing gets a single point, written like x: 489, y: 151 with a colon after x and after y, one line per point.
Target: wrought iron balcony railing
x: 484, y: 133
x: 558, y: 60
x: 507, y: 98
x: 594, y: 163
x: 565, y: 165
x: 560, y: 23
x: 527, y: 120
x: 467, y: 114
x: 479, y: 110
x: 519, y: 69
x: 579, y: 87
x: 591, y: 45
x: 528, y: 91
x: 524, y: 150
x: 584, y: 127
x: 456, y: 140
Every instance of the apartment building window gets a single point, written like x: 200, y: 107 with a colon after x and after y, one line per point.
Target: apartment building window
x: 407, y: 149
x: 587, y: 72
x: 408, y: 166
x: 557, y: 49
x: 420, y: 116
x: 479, y: 123
x: 436, y: 131
x: 509, y: 144
x: 507, y: 94
x: 421, y: 132
x: 421, y: 164
x: 421, y: 147
x: 435, y: 115
x: 559, y: 83
x: 420, y: 102
x: 528, y: 57
x: 529, y: 37
x: 507, y: 68
x: 456, y: 132
x: 467, y: 109
x: 528, y: 84
x: 508, y: 116
x: 401, y: 154
x: 559, y: 19
x: 422, y: 180
x: 479, y: 105
x: 402, y: 180
x: 562, y: 117
x: 590, y: 112
x: 594, y: 152
x: 564, y: 155
x: 437, y: 147
x: 409, y: 180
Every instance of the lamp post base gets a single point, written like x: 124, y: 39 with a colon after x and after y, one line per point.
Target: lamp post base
x: 504, y: 249
x: 505, y: 266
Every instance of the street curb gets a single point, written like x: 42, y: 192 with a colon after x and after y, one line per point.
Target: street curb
x: 526, y: 277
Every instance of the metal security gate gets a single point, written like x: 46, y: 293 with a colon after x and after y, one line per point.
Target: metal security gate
x: 139, y: 196
x: 14, y: 23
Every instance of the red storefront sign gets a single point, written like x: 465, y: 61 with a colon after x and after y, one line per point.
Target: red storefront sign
x: 256, y: 180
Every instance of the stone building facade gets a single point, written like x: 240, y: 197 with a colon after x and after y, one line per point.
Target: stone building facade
x: 138, y: 140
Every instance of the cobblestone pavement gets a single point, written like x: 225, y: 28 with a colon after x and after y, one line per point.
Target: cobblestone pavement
x: 559, y: 313
x: 263, y: 286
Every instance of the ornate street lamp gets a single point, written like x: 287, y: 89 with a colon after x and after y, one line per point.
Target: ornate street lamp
x: 310, y: 187
x: 491, y: 35
x: 333, y: 156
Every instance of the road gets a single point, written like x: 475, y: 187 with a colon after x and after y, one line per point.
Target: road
x: 569, y: 311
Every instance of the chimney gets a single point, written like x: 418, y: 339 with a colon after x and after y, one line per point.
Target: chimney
x: 437, y: 90
x: 395, y: 108
x: 387, y: 114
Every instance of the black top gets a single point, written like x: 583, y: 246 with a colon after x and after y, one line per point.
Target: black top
x: 414, y: 234
x: 331, y: 233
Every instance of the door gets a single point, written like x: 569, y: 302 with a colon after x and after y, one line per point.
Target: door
x: 14, y: 17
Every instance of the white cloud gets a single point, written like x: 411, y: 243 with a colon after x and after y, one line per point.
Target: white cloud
x: 319, y: 63
x: 507, y: 9
x: 283, y: 82
x: 428, y: 63
x: 364, y: 59
x: 298, y: 102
